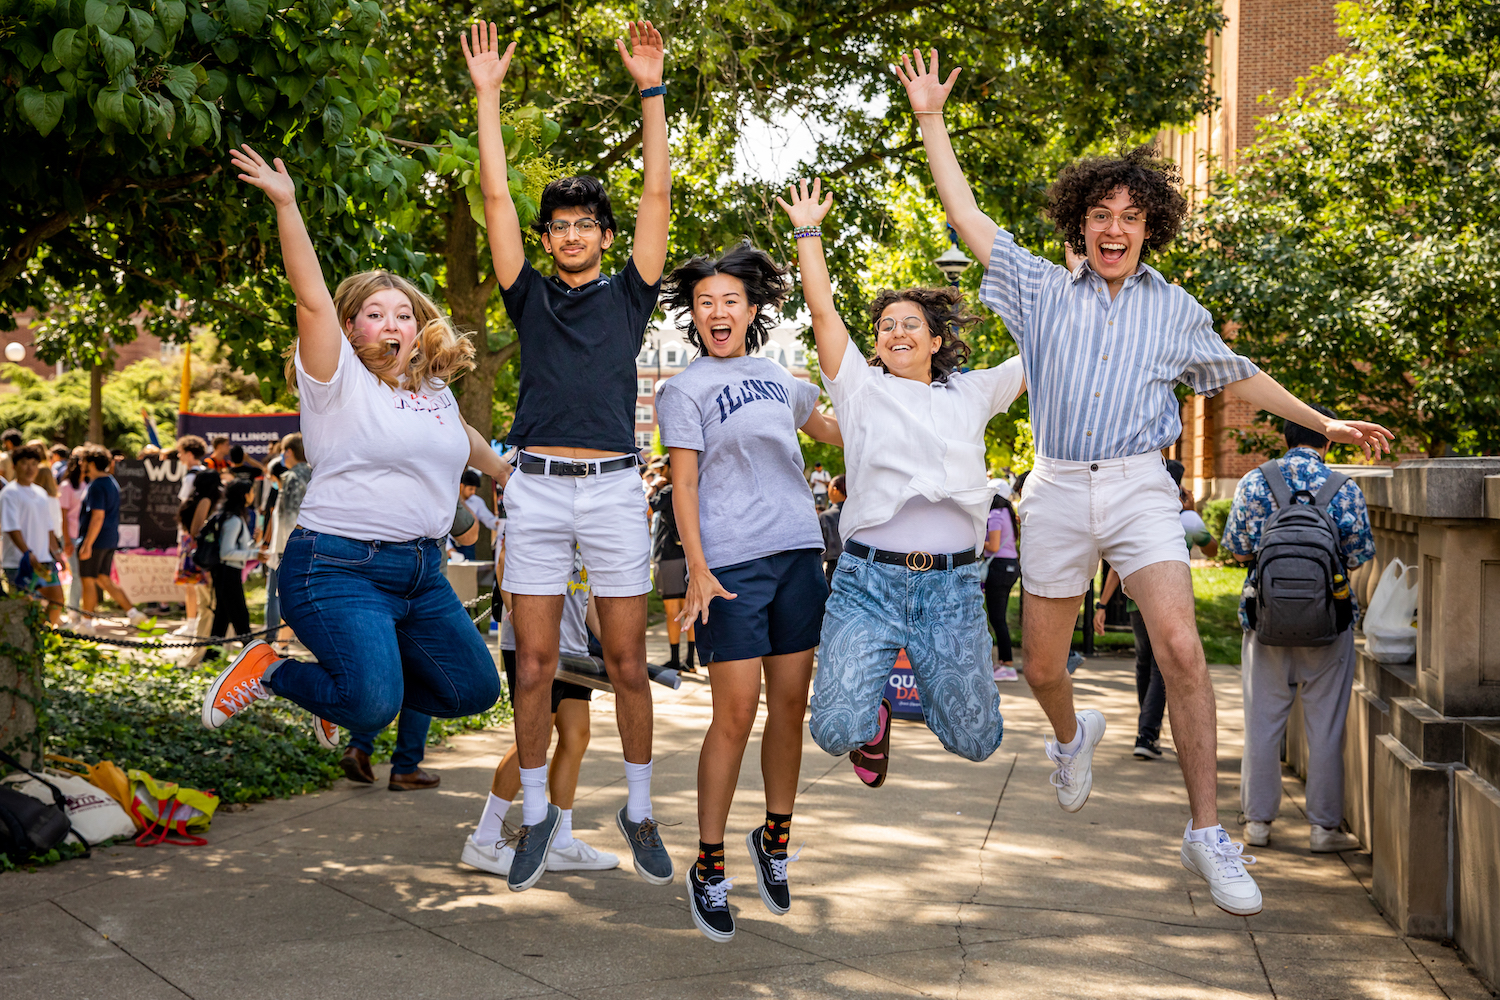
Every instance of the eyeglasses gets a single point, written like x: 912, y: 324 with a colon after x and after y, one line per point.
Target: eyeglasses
x: 1131, y: 221
x: 585, y: 227
x: 911, y: 324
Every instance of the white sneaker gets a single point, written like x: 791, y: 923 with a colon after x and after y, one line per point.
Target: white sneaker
x: 134, y: 616
x: 84, y: 625
x: 1326, y: 841
x: 1222, y: 865
x: 189, y: 627
x: 580, y: 857
x: 1074, y: 777
x: 492, y: 858
x: 1257, y: 834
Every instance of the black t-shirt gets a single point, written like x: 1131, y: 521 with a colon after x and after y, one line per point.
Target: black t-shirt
x: 578, y: 350
x: 665, y: 543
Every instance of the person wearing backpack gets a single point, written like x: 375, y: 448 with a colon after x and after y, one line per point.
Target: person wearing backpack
x: 1294, y: 520
x: 204, y: 490
x: 226, y: 565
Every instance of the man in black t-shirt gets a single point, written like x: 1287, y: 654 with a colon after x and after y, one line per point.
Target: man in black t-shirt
x: 580, y: 331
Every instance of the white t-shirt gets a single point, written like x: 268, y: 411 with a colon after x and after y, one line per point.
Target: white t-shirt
x: 922, y: 526
x: 819, y: 480
x: 385, y: 462
x: 905, y: 439
x: 27, y: 509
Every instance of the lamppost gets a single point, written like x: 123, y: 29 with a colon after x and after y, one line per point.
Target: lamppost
x: 952, y: 261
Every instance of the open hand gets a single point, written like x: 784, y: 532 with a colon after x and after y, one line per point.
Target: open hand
x: 1373, y: 438
x: 646, y: 56
x: 925, y: 89
x: 276, y: 183
x: 702, y: 588
x: 806, y: 209
x: 487, y: 66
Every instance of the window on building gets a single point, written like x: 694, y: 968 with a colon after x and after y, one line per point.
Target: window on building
x: 799, y: 358
x: 642, y: 414
x: 643, y: 386
x: 643, y: 439
x: 672, y: 356
x: 646, y: 357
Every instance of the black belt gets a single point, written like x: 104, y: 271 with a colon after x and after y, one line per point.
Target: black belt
x: 587, y: 467
x: 919, y: 561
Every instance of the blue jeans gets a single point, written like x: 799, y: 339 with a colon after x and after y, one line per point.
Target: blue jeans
x: 387, y: 630
x: 273, y: 601
x: 937, y: 616
x: 411, y: 741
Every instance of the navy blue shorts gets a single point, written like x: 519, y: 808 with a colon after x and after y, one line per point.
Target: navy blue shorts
x: 778, y: 608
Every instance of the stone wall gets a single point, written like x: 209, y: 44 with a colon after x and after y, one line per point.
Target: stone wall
x: 1422, y: 743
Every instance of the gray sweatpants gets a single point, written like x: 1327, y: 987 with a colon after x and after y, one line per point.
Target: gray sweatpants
x: 1271, y: 676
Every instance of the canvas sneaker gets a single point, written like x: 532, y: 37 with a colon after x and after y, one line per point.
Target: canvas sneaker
x: 1147, y: 749
x: 326, y: 732
x: 651, y: 860
x: 1323, y: 840
x: 580, y: 857
x: 238, y: 685
x: 1222, y: 865
x: 709, y: 902
x: 770, y: 872
x: 1257, y: 834
x: 492, y: 858
x: 135, y: 616
x: 1074, y: 777
x: 532, y: 844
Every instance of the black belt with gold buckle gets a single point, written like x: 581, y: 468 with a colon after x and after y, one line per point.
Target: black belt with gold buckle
x: 919, y: 561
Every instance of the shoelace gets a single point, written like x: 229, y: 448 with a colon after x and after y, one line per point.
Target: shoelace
x: 778, y: 865
x: 718, y: 892
x: 242, y: 694
x: 1063, y: 776
x: 646, y: 834
x: 514, y: 837
x: 1229, y: 858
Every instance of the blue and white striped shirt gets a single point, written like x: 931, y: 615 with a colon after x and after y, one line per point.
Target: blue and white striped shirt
x: 1099, y: 371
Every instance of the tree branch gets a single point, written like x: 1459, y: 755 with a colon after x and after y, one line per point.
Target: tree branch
x: 617, y: 154
x: 171, y: 184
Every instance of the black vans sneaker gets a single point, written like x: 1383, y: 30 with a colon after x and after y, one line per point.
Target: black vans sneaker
x: 1147, y: 749
x: 709, y: 902
x: 770, y: 872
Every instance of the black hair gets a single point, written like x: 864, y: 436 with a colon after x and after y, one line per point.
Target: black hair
x: 26, y: 451
x: 943, y: 308
x: 74, y: 472
x: 1019, y: 484
x: 236, y: 454
x: 99, y: 458
x: 582, y: 191
x: 1176, y: 470
x: 470, y: 478
x: 1001, y: 503
x: 235, y: 496
x: 765, y: 281
x: 838, y: 484
x: 206, y: 486
x: 11, y: 434
x: 1298, y: 436
x: 1151, y: 181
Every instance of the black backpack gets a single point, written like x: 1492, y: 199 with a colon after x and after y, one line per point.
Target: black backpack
x: 1298, y: 589
x: 206, y: 542
x: 28, y: 825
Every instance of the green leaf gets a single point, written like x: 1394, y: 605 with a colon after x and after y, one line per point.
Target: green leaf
x: 257, y: 97
x: 70, y: 48
x: 106, y: 16
x: 181, y: 82
x: 43, y: 111
x: 227, y: 50
x: 333, y: 124
x: 294, y: 86
x: 171, y: 14
x: 246, y: 15
x: 28, y: 53
x: 118, y: 53
x: 198, y: 125
x: 111, y: 106
x: 141, y: 24
x: 216, y: 81
x: 550, y: 131
x: 204, y: 27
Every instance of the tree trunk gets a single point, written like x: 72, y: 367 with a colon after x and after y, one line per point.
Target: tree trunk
x: 96, y: 404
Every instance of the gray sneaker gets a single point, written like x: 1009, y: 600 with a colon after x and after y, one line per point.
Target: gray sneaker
x: 532, y: 844
x: 652, y: 862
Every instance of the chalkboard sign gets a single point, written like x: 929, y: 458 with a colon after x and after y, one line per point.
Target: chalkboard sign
x: 148, y: 502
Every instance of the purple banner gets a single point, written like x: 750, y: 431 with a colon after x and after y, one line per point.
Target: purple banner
x: 252, y: 431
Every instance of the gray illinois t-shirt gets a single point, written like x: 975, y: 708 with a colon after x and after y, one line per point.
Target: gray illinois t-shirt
x: 742, y: 415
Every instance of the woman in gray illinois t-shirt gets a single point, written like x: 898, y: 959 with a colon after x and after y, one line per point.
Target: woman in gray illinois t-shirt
x: 754, y: 551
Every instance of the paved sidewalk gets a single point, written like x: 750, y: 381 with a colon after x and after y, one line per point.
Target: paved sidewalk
x: 954, y: 880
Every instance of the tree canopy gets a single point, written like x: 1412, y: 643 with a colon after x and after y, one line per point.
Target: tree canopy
x: 1357, y: 247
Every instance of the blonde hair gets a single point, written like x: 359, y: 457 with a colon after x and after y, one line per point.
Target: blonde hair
x: 441, y: 353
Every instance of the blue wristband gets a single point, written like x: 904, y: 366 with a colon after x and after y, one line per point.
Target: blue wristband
x: 656, y: 91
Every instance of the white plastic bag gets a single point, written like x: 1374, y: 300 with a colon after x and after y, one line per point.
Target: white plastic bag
x: 94, y: 814
x: 1390, y: 632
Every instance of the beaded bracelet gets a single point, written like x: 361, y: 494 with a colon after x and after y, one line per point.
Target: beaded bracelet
x: 802, y: 231
x: 656, y: 91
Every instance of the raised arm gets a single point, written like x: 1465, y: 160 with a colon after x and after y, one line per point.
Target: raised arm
x: 318, y: 333
x: 807, y: 211
x: 644, y: 61
x: 487, y: 67
x: 927, y: 92
x: 1263, y: 392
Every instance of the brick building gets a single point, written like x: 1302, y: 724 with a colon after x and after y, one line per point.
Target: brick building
x: 1265, y: 46
x: 145, y: 345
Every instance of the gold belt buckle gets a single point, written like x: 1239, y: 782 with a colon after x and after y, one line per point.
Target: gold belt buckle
x: 921, y: 562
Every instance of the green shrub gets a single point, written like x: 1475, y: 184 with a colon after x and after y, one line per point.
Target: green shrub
x: 1215, y: 514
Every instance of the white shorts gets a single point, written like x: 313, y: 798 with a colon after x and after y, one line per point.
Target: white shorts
x: 1072, y: 513
x: 603, y: 515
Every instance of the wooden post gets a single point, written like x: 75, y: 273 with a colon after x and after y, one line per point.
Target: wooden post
x: 96, y: 404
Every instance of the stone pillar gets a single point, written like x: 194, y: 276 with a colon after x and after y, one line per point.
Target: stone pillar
x: 1410, y: 848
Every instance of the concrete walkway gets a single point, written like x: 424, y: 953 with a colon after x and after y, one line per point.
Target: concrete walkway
x: 954, y: 880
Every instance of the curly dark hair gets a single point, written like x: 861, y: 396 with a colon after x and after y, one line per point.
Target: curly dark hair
x: 946, y: 318
x: 765, y: 281
x: 1151, y: 181
x: 583, y: 192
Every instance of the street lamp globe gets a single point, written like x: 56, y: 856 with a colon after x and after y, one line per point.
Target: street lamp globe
x: 952, y: 263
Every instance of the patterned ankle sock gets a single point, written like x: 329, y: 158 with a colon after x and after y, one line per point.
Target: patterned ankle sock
x: 778, y: 830
x: 710, y: 861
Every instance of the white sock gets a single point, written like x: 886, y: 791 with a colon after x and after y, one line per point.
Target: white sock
x: 1073, y: 745
x: 492, y: 820
x: 1207, y: 835
x: 564, y: 836
x: 533, y: 795
x: 638, y: 781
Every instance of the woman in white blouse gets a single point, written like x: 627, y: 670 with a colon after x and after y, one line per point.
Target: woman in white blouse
x: 913, y: 428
